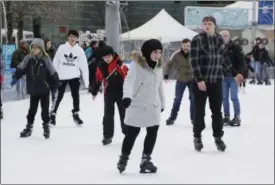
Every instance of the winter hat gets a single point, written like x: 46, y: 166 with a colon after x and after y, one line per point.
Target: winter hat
x: 40, y: 43
x: 149, y: 46
x: 209, y: 18
x: 107, y: 50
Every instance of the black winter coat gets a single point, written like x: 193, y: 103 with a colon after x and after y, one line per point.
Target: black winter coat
x: 255, y: 52
x: 41, y: 76
x: 235, y: 55
x: 264, y: 57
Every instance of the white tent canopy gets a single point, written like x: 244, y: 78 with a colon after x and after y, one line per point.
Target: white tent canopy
x: 246, y: 5
x: 163, y: 27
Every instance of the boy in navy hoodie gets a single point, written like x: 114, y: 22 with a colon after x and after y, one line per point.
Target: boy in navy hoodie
x: 41, y: 77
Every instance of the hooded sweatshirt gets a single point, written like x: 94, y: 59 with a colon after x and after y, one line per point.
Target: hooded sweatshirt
x: 70, y: 62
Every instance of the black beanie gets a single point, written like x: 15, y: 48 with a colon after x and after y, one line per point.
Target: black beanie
x: 107, y: 50
x: 209, y: 18
x: 149, y: 46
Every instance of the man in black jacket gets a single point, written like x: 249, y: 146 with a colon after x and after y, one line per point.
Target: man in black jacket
x: 256, y: 63
x: 207, y: 59
x: 265, y: 62
x: 233, y: 54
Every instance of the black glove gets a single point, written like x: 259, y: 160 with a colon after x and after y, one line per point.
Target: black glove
x: 126, y: 102
x: 119, y: 62
x: 162, y: 110
x: 166, y: 77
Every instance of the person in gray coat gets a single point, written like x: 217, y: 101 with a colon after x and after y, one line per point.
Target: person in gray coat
x: 143, y: 98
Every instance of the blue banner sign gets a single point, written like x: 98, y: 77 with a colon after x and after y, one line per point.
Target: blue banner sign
x: 266, y: 13
x: 7, y: 54
x: 226, y: 17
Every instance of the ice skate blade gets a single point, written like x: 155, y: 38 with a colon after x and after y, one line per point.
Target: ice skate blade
x: 142, y: 171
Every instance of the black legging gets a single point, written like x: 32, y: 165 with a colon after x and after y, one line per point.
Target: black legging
x: 131, y: 135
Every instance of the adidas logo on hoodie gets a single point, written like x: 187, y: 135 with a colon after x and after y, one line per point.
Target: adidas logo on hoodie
x: 70, y: 62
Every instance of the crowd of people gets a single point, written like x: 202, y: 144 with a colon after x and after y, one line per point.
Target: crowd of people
x: 210, y: 65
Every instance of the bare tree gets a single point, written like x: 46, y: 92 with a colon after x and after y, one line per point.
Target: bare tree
x: 9, y: 22
x: 20, y: 9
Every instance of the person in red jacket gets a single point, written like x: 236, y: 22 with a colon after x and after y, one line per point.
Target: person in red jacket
x: 112, y: 72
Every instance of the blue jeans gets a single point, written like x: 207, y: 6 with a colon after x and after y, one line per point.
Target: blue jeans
x: 256, y: 65
x: 180, y: 88
x: 229, y: 84
x: 264, y: 76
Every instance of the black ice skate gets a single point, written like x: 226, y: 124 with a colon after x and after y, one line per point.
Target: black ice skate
x: 170, y: 121
x: 260, y: 83
x: 220, y: 144
x: 146, y: 165
x: 52, y: 119
x: 226, y: 120
x: 122, y: 163
x: 252, y: 82
x: 235, y: 122
x: 27, y: 131
x: 267, y: 83
x: 198, y: 144
x: 46, y: 129
x: 107, y: 141
x: 77, y: 119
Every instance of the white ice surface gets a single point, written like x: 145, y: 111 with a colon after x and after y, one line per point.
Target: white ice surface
x: 76, y: 155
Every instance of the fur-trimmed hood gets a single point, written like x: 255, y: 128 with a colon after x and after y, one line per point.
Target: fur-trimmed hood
x: 139, y: 59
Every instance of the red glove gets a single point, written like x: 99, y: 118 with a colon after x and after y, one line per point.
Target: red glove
x: 1, y: 79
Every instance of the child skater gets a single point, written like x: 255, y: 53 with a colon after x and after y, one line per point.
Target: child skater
x: 144, y: 99
x: 41, y: 77
x: 112, y: 72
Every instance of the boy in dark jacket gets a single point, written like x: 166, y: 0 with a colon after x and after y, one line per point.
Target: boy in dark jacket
x: 112, y: 72
x: 41, y: 77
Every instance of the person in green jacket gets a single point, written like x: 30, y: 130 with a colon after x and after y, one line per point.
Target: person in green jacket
x: 180, y: 61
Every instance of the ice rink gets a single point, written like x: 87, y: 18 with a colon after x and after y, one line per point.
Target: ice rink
x: 75, y: 154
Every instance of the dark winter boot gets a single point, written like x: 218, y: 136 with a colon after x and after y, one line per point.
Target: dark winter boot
x: 46, y: 129
x: 226, y: 120
x: 146, y: 165
x: 252, y: 82
x: 220, y: 144
x: 170, y: 121
x: 198, y: 144
x: 52, y: 119
x: 106, y: 141
x: 122, y: 163
x: 235, y: 122
x: 27, y: 131
x: 77, y: 119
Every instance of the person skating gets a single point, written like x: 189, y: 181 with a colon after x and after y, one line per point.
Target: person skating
x: 207, y: 59
x: 265, y: 62
x: 16, y: 58
x: 180, y: 60
x: 234, y: 55
x: 112, y: 72
x: 143, y: 98
x: 41, y: 78
x: 70, y: 63
x: 2, y: 69
x: 51, y: 52
x: 255, y: 52
x: 247, y: 68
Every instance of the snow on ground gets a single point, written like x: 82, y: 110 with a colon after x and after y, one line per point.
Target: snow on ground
x: 76, y: 155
